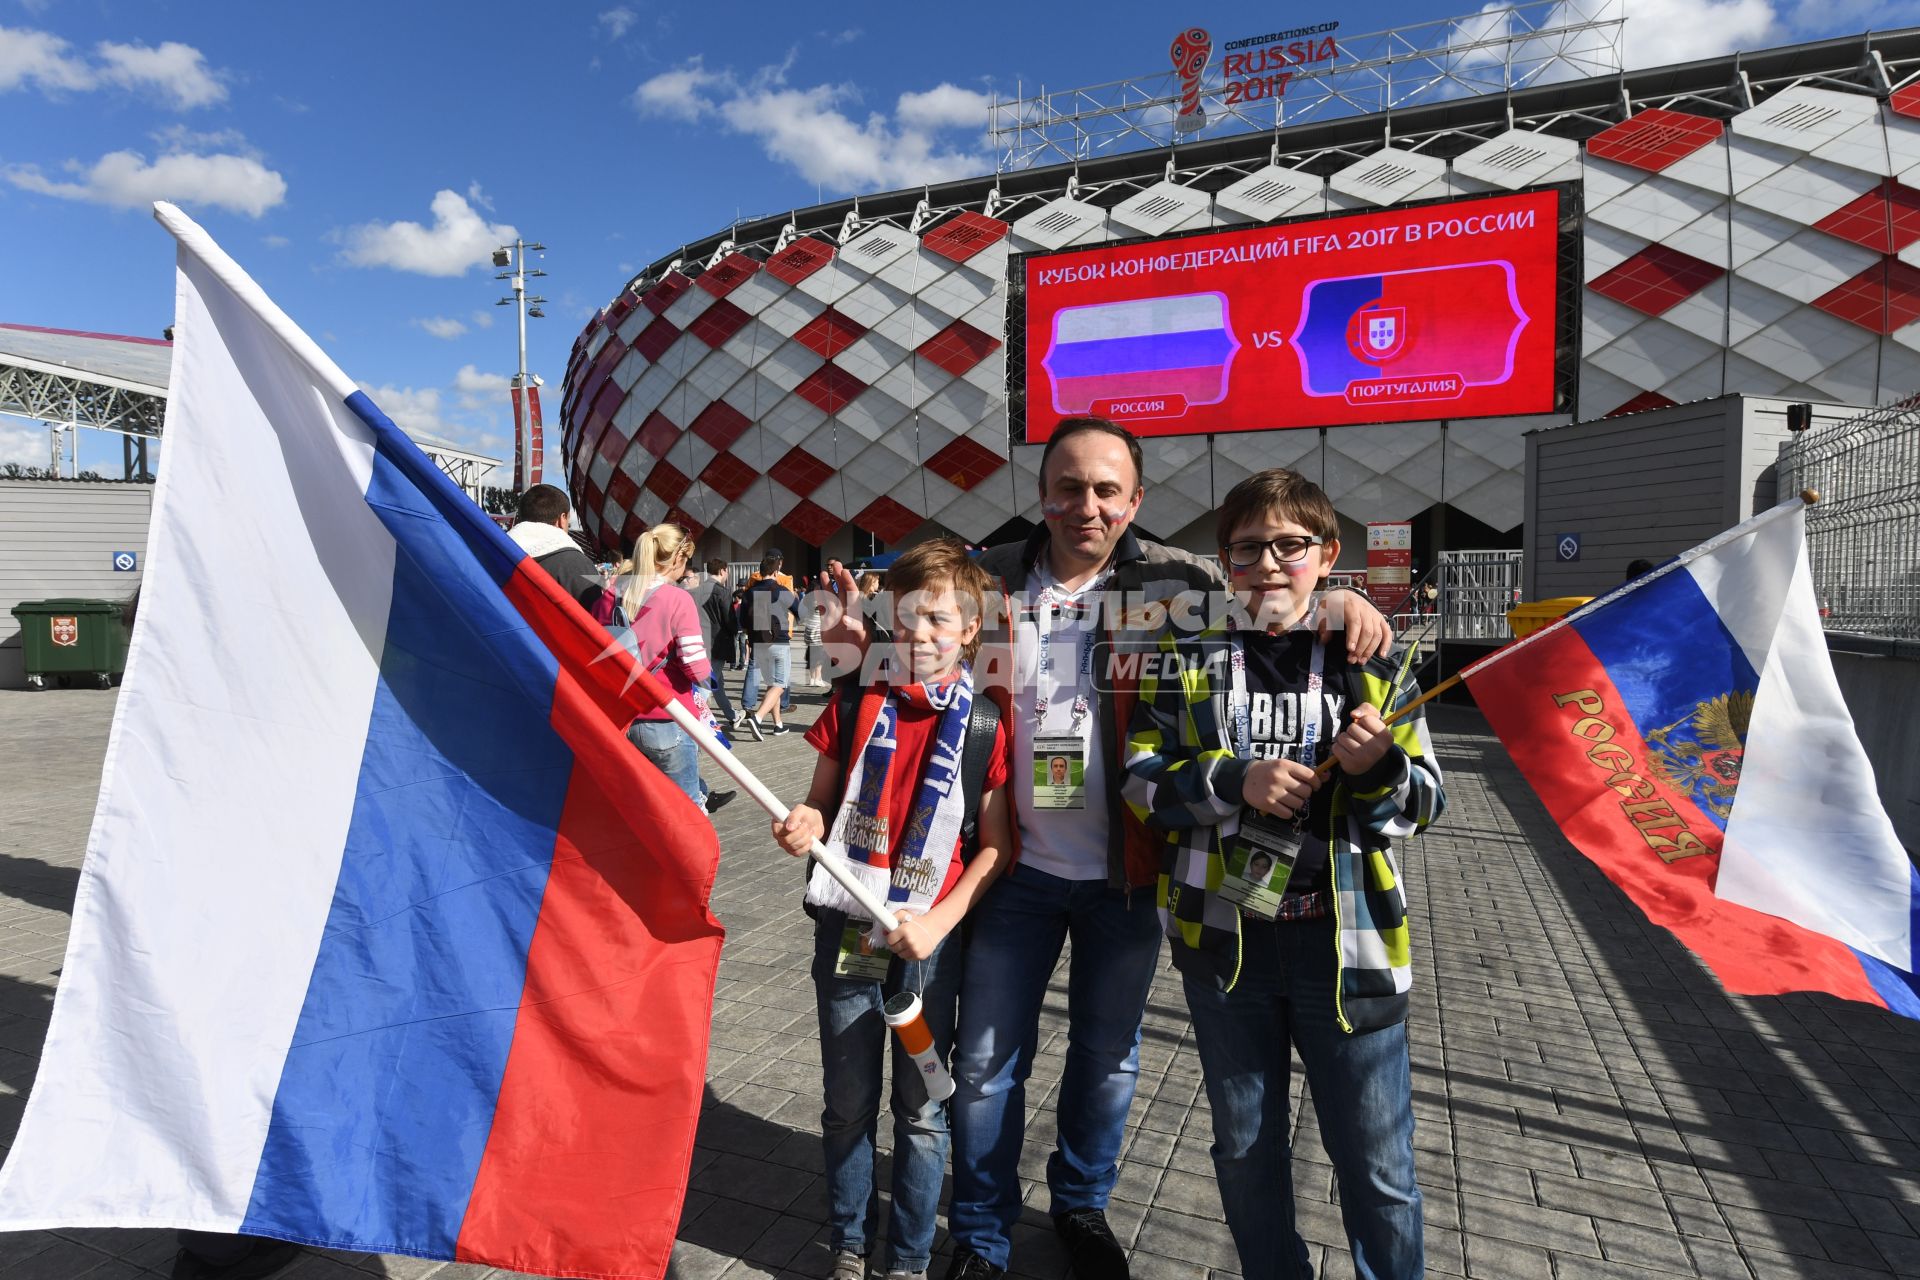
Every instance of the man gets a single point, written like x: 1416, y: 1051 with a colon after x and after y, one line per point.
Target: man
x: 713, y: 605
x: 750, y: 684
x: 1087, y: 867
x: 541, y: 530
x: 771, y: 610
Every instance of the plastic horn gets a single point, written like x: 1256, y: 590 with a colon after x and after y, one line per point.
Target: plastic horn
x: 903, y: 1014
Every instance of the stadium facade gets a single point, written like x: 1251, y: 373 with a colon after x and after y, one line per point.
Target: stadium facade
x: 840, y: 377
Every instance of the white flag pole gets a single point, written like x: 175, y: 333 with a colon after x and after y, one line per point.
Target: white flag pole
x: 731, y: 765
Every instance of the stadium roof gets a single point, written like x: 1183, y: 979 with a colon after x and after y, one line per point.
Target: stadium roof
x: 137, y: 364
x: 115, y: 382
x: 1578, y: 109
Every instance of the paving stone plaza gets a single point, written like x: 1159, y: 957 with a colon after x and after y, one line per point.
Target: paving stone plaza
x: 1590, y: 1103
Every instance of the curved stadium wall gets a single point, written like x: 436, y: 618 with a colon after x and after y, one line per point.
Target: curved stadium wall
x: 1746, y: 224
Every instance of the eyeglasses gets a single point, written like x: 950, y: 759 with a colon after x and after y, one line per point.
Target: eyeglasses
x: 1288, y: 550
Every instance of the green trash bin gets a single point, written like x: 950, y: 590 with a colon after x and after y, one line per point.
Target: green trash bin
x: 69, y: 641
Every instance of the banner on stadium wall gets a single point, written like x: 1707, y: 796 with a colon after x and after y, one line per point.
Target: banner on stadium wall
x: 1389, y: 564
x: 1401, y: 315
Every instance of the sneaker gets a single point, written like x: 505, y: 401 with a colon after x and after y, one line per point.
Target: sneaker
x: 753, y: 727
x: 968, y: 1265
x: 849, y: 1266
x: 777, y: 728
x: 718, y: 800
x: 906, y: 1275
x: 1095, y: 1254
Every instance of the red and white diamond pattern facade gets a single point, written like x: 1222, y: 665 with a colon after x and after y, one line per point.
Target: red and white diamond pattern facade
x: 861, y: 379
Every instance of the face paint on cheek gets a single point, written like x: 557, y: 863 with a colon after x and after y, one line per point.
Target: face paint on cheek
x: 945, y: 646
x: 1295, y: 570
x: 1061, y: 510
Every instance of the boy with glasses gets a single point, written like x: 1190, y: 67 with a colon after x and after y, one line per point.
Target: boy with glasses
x: 1279, y: 892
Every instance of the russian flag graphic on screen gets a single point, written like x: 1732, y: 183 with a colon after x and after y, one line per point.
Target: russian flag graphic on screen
x: 1145, y: 358
x: 1424, y: 334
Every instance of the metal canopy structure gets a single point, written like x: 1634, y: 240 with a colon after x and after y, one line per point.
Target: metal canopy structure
x: 1496, y: 50
x: 68, y: 379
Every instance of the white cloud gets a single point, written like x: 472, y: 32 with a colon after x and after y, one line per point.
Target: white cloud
x: 1659, y: 32
x: 445, y: 327
x: 275, y: 242
x: 945, y: 106
x: 24, y: 444
x: 472, y: 423
x: 125, y: 179
x: 813, y: 131
x: 482, y: 318
x: 174, y: 72
x: 683, y: 92
x: 415, y: 410
x: 617, y: 22
x: 40, y: 58
x: 458, y: 240
x: 471, y: 380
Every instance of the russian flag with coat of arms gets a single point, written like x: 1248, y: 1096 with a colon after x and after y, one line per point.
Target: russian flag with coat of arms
x: 386, y: 939
x: 1689, y: 736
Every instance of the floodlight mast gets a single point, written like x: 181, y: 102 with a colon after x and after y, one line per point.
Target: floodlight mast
x: 514, y: 256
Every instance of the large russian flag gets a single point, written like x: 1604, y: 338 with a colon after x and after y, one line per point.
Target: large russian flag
x: 1689, y: 736
x: 386, y: 938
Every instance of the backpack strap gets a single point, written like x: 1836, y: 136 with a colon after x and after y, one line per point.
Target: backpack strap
x: 983, y: 726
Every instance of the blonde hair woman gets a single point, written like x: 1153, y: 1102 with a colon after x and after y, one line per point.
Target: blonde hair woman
x: 664, y: 637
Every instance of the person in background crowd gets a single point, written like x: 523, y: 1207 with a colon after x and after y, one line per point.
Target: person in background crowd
x: 541, y: 531
x: 775, y: 558
x: 710, y: 597
x: 740, y: 643
x: 816, y: 652
x: 771, y: 609
x: 1636, y: 568
x: 665, y: 640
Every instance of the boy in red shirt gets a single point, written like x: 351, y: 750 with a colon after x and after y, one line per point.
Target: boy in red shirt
x: 891, y: 777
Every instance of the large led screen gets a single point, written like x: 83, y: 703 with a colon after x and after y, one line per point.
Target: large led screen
x: 1441, y: 311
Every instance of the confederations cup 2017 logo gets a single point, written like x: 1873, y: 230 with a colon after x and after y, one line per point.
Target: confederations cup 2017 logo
x: 1190, y: 51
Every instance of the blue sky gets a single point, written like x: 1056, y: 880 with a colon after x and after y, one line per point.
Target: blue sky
x: 361, y: 159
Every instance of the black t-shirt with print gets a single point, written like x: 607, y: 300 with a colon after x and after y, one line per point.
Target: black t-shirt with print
x: 1276, y: 719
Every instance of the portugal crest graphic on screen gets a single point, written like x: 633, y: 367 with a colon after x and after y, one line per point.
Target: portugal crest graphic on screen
x: 1425, y: 334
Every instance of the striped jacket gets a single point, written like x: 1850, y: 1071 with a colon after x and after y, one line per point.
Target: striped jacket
x: 1184, y: 779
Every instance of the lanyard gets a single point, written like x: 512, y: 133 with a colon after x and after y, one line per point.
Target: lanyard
x: 1310, y: 702
x: 1043, y: 614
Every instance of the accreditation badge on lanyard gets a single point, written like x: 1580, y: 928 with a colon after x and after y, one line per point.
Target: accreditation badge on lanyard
x: 857, y: 957
x: 1260, y: 856
x: 1060, y: 759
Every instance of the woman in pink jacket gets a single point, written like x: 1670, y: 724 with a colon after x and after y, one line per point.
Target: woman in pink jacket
x: 664, y: 636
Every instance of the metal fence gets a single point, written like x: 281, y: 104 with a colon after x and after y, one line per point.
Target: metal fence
x: 1863, y: 536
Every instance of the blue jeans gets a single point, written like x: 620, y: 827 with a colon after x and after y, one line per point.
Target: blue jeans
x: 722, y: 705
x: 853, y: 1040
x: 1017, y: 931
x: 1362, y: 1092
x: 672, y: 752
